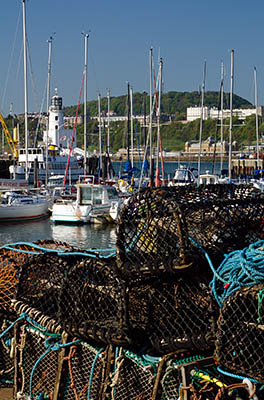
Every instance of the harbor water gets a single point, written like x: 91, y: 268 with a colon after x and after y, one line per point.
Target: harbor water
x: 81, y: 236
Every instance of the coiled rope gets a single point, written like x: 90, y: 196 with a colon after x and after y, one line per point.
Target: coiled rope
x: 239, y: 269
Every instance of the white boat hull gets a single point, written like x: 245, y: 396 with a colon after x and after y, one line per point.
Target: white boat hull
x: 22, y: 212
x: 72, y: 213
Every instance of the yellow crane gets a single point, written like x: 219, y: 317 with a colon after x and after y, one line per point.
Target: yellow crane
x: 12, y: 143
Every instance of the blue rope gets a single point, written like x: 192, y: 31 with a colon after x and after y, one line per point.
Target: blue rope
x: 50, y: 346
x: 88, y: 253
x: 92, y: 371
x: 235, y: 376
x: 151, y: 359
x: 22, y: 316
x: 239, y: 269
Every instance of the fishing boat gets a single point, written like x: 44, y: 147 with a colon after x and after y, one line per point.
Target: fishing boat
x: 18, y: 206
x: 183, y: 176
x: 92, y: 205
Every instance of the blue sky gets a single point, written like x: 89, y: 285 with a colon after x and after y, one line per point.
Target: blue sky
x: 184, y: 33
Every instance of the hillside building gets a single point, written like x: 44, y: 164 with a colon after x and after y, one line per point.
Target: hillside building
x: 195, y: 113
x: 209, y: 146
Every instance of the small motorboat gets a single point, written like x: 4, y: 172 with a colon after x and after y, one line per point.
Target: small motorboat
x: 92, y: 205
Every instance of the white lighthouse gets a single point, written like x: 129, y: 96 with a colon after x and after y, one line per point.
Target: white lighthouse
x: 57, y: 135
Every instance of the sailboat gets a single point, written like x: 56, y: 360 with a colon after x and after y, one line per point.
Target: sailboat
x: 14, y: 205
x: 93, y: 200
x: 51, y: 157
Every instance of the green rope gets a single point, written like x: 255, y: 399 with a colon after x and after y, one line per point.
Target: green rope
x: 260, y: 299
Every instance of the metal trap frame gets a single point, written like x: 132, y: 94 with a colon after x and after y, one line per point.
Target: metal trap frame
x: 6, y: 354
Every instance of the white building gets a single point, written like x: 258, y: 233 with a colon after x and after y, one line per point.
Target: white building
x: 57, y: 134
x: 195, y: 113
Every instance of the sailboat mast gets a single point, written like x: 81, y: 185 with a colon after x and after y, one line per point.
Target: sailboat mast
x: 160, y: 147
x: 231, y: 115
x: 48, y: 103
x: 150, y: 116
x: 131, y: 127
x: 128, y: 118
x: 108, y: 121
x: 222, y: 117
x: 256, y: 105
x: 201, y: 120
x: 25, y: 85
x: 100, y: 133
x: 85, y: 102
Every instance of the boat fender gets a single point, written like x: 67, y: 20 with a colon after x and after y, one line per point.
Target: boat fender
x: 122, y: 184
x: 251, y: 388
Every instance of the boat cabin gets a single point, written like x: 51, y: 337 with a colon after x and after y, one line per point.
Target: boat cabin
x: 95, y: 194
x: 183, y: 176
x: 208, y: 179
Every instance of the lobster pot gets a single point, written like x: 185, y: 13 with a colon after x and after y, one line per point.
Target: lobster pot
x: 41, y: 279
x: 84, y: 372
x: 240, y: 333
x: 95, y: 304
x: 37, y: 364
x: 225, y: 218
x: 152, y: 235
x: 11, y: 259
x: 133, y: 377
x: 6, y: 355
x: 182, y: 316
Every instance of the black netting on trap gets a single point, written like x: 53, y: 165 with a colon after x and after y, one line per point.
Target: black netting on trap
x: 37, y: 363
x: 95, y: 304
x: 224, y: 218
x: 240, y: 333
x: 12, y: 257
x: 162, y: 229
x: 40, y: 281
x: 152, y: 235
x: 183, y: 315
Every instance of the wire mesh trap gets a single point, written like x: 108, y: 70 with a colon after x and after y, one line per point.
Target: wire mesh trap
x: 183, y: 315
x: 240, y: 333
x: 133, y: 376
x: 84, y: 372
x: 152, y: 235
x: 38, y: 359
x: 95, y: 304
x: 12, y: 257
x: 40, y: 281
x: 225, y: 218
x: 161, y: 230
